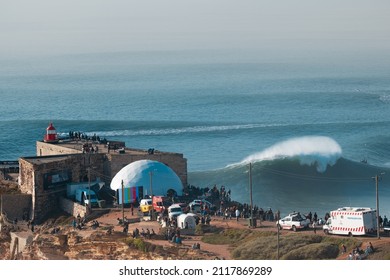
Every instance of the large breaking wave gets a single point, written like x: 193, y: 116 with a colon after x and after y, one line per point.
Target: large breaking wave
x: 319, y: 151
x: 306, y: 173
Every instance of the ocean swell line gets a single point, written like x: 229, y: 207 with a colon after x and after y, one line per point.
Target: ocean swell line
x: 174, y: 131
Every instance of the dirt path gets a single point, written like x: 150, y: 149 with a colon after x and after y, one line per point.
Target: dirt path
x: 220, y: 251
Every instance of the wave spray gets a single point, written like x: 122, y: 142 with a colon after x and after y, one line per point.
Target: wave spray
x: 319, y: 151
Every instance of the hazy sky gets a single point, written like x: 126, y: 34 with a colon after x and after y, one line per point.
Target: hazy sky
x: 80, y: 26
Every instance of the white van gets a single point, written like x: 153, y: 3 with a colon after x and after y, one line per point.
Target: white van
x: 174, y: 210
x: 351, y: 221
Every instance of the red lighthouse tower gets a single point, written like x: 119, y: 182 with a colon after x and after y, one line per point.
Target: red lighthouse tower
x: 51, y: 134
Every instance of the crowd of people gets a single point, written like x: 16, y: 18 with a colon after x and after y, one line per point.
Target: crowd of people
x: 77, y: 135
x: 223, y: 206
x: 148, y: 234
x: 357, y: 253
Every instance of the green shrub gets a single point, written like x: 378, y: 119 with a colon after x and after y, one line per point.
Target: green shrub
x: 265, y: 247
x: 386, y: 257
x: 350, y: 243
x: 315, y: 251
x: 141, y: 245
x: 259, y: 248
x: 199, y: 229
x: 229, y: 236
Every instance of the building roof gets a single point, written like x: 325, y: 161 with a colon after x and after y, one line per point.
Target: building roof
x: 146, y: 173
x: 45, y: 159
x: 77, y: 147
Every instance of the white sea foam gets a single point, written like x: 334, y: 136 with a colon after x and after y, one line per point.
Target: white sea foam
x: 385, y: 98
x: 175, y: 131
x: 319, y: 151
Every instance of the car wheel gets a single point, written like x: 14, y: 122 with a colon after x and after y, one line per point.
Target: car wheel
x: 294, y: 228
x: 350, y: 234
x: 326, y: 231
x: 280, y: 227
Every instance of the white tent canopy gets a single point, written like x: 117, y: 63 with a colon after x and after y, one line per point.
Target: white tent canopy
x: 145, y: 172
x: 186, y: 221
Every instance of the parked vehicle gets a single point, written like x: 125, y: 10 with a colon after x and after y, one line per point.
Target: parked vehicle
x: 184, y: 207
x: 351, y: 221
x: 85, y: 195
x: 293, y: 221
x: 145, y: 205
x: 195, y: 208
x: 386, y: 229
x: 201, y: 206
x: 201, y: 202
x: 386, y: 226
x: 174, y: 210
x: 160, y: 203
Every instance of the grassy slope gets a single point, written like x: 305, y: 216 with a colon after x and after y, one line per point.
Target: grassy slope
x: 248, y: 245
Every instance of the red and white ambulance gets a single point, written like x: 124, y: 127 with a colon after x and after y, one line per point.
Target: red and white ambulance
x: 351, y: 221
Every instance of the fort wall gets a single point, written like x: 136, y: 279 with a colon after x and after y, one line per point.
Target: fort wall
x: 47, y: 149
x: 45, y: 176
x: 115, y: 161
x: 72, y: 207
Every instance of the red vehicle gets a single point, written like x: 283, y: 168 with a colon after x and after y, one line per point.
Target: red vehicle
x: 160, y: 203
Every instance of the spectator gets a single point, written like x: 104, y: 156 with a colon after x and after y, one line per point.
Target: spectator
x: 237, y: 214
x: 343, y: 248
x: 371, y: 247
x: 32, y: 225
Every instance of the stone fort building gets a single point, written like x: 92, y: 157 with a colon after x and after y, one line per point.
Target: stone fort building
x: 60, y: 162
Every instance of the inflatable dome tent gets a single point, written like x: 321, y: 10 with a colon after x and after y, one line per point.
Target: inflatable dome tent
x: 186, y: 221
x: 139, y: 175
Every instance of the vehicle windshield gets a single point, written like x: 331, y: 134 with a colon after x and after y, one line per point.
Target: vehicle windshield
x: 176, y: 209
x: 297, y: 218
x: 146, y: 202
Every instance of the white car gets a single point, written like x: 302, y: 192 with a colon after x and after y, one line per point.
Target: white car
x: 293, y: 221
x: 174, y: 210
x: 201, y: 202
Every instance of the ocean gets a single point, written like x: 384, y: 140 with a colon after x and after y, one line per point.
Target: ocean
x: 316, y: 131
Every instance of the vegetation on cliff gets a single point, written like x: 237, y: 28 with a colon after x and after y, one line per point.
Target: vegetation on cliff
x: 254, y: 245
